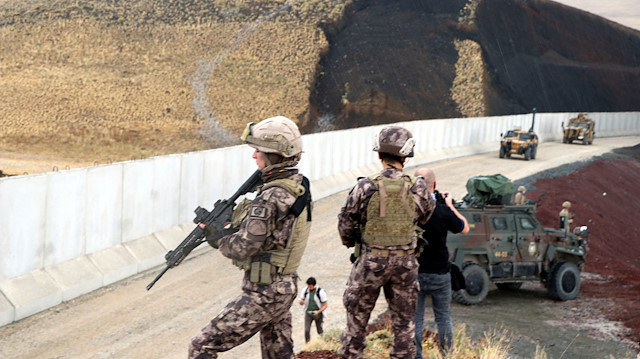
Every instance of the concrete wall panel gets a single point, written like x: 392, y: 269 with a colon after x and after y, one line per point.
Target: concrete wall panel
x: 22, y: 224
x: 103, y: 207
x: 165, y: 192
x: 191, y: 184
x: 137, y: 202
x: 65, y: 216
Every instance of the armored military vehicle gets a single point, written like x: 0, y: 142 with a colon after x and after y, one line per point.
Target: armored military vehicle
x: 580, y: 128
x: 508, y: 246
x: 519, y: 142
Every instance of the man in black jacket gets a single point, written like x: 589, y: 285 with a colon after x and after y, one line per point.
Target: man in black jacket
x: 434, y: 272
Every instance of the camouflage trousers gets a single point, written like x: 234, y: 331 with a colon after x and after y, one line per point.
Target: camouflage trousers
x: 398, y: 277
x: 249, y: 313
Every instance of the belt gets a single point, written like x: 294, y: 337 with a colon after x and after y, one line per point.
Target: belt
x: 388, y: 252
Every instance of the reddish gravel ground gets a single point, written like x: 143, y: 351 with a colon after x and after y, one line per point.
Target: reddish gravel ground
x: 605, y: 196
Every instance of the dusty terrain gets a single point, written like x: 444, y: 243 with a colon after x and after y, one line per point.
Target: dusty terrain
x: 125, y: 321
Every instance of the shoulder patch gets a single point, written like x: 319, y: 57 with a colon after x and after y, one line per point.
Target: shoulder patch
x: 258, y: 212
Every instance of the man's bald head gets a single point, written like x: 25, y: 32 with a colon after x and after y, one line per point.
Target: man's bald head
x: 428, y: 176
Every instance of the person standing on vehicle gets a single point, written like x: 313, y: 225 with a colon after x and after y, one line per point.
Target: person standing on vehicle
x: 268, y: 246
x: 380, y: 217
x: 434, y: 272
x: 314, y: 300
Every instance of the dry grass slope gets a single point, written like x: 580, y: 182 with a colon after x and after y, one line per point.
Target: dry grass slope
x: 107, y: 81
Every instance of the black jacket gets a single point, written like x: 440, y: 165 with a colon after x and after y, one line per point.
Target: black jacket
x: 435, y: 254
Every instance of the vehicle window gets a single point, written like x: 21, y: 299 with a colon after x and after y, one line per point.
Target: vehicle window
x: 525, y: 223
x: 510, y: 134
x: 525, y: 136
x: 579, y: 124
x: 500, y: 223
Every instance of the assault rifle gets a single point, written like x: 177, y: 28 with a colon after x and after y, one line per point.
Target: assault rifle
x: 216, y: 219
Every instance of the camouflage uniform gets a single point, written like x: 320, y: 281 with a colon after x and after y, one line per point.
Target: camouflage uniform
x: 269, y: 231
x: 520, y: 198
x: 260, y: 308
x: 395, y: 271
x: 566, y: 218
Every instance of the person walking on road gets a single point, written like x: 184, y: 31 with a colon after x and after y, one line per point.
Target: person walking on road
x: 314, y: 300
x: 380, y: 217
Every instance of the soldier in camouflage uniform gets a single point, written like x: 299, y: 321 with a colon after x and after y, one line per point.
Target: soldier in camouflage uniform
x: 566, y: 218
x: 520, y: 197
x: 380, y: 217
x: 268, y: 246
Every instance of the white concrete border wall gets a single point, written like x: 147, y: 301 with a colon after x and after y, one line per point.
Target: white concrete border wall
x: 66, y: 233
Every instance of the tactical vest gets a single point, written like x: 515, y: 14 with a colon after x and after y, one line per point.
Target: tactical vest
x: 390, y: 212
x: 286, y: 260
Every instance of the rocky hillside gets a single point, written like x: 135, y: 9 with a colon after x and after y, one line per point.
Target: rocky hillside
x: 88, y: 81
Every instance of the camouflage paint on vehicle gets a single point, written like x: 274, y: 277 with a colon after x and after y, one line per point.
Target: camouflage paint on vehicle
x: 581, y: 128
x: 519, y: 142
x: 507, y: 245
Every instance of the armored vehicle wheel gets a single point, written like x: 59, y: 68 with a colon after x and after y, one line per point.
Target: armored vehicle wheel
x: 527, y: 154
x: 509, y: 286
x: 502, y: 152
x: 534, y: 152
x: 477, y: 282
x: 564, y: 281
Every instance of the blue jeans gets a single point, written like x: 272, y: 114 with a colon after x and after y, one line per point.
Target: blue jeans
x: 439, y: 287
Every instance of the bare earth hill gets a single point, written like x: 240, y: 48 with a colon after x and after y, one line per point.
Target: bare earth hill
x: 85, y: 82
x: 440, y: 59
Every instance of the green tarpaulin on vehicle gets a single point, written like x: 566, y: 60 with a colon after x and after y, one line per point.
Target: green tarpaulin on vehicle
x: 491, y: 189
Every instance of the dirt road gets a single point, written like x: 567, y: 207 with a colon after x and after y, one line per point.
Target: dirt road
x: 126, y: 321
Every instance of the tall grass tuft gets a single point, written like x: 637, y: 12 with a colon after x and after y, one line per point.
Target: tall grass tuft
x: 494, y: 344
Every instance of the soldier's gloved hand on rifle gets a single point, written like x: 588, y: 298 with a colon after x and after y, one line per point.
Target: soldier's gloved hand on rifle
x: 213, y: 235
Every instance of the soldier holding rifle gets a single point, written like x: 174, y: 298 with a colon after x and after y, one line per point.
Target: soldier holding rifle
x: 268, y: 245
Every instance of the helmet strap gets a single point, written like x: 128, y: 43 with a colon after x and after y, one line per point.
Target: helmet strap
x: 288, y: 162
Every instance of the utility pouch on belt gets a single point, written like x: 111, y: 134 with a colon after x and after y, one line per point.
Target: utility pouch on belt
x: 260, y: 271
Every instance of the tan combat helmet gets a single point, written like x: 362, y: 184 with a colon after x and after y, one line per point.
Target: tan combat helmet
x: 521, y: 189
x: 395, y: 140
x: 277, y: 135
x: 566, y: 204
